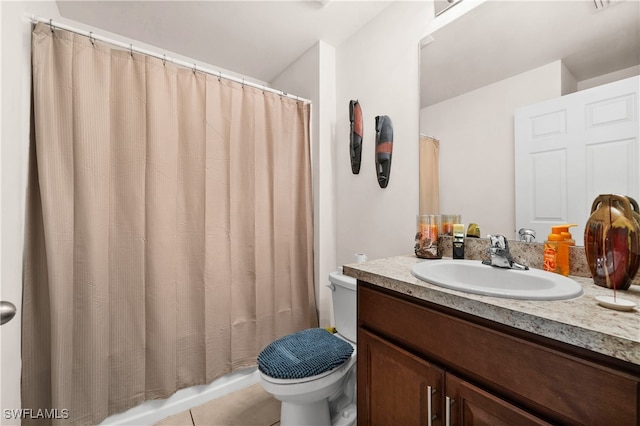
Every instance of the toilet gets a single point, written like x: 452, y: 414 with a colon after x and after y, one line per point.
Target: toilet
x: 313, y: 372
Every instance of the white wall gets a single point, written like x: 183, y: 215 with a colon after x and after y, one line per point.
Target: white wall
x: 313, y: 76
x: 609, y: 78
x: 15, y: 35
x: 477, y: 145
x: 568, y: 82
x: 379, y: 66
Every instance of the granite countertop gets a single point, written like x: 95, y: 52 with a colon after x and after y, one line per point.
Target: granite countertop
x: 580, y: 321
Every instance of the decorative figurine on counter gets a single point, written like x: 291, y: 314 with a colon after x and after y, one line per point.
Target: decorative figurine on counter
x: 355, y: 135
x: 612, y: 241
x: 384, y: 149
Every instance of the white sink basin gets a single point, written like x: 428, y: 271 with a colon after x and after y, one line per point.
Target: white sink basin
x: 472, y: 276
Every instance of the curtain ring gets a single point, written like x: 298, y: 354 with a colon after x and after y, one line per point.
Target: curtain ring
x: 131, y: 49
x: 164, y: 59
x: 51, y: 24
x: 91, y: 39
x: 219, y: 75
x: 263, y: 89
x: 194, y: 69
x: 243, y: 83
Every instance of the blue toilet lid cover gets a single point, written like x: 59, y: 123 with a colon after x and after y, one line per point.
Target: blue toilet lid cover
x: 303, y: 354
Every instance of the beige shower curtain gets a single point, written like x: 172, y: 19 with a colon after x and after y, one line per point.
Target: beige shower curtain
x: 169, y: 227
x: 429, y: 175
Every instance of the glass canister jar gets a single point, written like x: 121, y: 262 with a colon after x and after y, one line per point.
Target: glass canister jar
x: 428, y: 232
x: 448, y: 220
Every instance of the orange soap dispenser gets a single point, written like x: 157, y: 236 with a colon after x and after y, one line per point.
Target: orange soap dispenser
x: 564, y: 230
x: 556, y: 251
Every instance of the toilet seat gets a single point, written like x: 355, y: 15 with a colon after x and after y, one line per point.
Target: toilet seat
x: 307, y: 353
x: 323, y: 383
x: 339, y: 369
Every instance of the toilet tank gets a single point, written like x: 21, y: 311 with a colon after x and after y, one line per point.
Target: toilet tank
x: 343, y: 291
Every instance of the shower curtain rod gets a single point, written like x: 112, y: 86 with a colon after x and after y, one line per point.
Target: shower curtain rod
x: 91, y: 35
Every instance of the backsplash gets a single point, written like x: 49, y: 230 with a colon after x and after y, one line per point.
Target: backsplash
x: 529, y: 254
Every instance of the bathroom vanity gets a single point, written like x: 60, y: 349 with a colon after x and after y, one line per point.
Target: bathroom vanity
x: 433, y: 356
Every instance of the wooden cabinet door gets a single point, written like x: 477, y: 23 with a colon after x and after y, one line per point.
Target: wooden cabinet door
x: 395, y: 387
x: 469, y: 405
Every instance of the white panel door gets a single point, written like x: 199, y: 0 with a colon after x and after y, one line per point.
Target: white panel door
x: 570, y: 149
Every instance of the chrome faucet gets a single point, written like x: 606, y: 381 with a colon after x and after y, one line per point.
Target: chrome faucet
x: 499, y: 254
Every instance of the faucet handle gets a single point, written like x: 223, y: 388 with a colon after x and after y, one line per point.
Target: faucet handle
x: 527, y: 235
x: 498, y: 241
x: 499, y: 252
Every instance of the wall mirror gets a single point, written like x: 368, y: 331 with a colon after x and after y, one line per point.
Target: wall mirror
x: 501, y: 56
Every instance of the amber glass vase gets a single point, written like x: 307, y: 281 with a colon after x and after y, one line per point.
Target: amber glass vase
x: 612, y: 241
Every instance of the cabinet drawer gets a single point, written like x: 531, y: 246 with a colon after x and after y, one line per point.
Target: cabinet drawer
x: 395, y: 386
x: 561, y: 387
x: 470, y: 405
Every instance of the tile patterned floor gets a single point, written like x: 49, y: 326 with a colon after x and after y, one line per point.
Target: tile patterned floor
x: 251, y: 406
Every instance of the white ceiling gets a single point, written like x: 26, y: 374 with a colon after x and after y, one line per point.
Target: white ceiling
x: 496, y: 40
x: 500, y: 39
x: 258, y: 39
